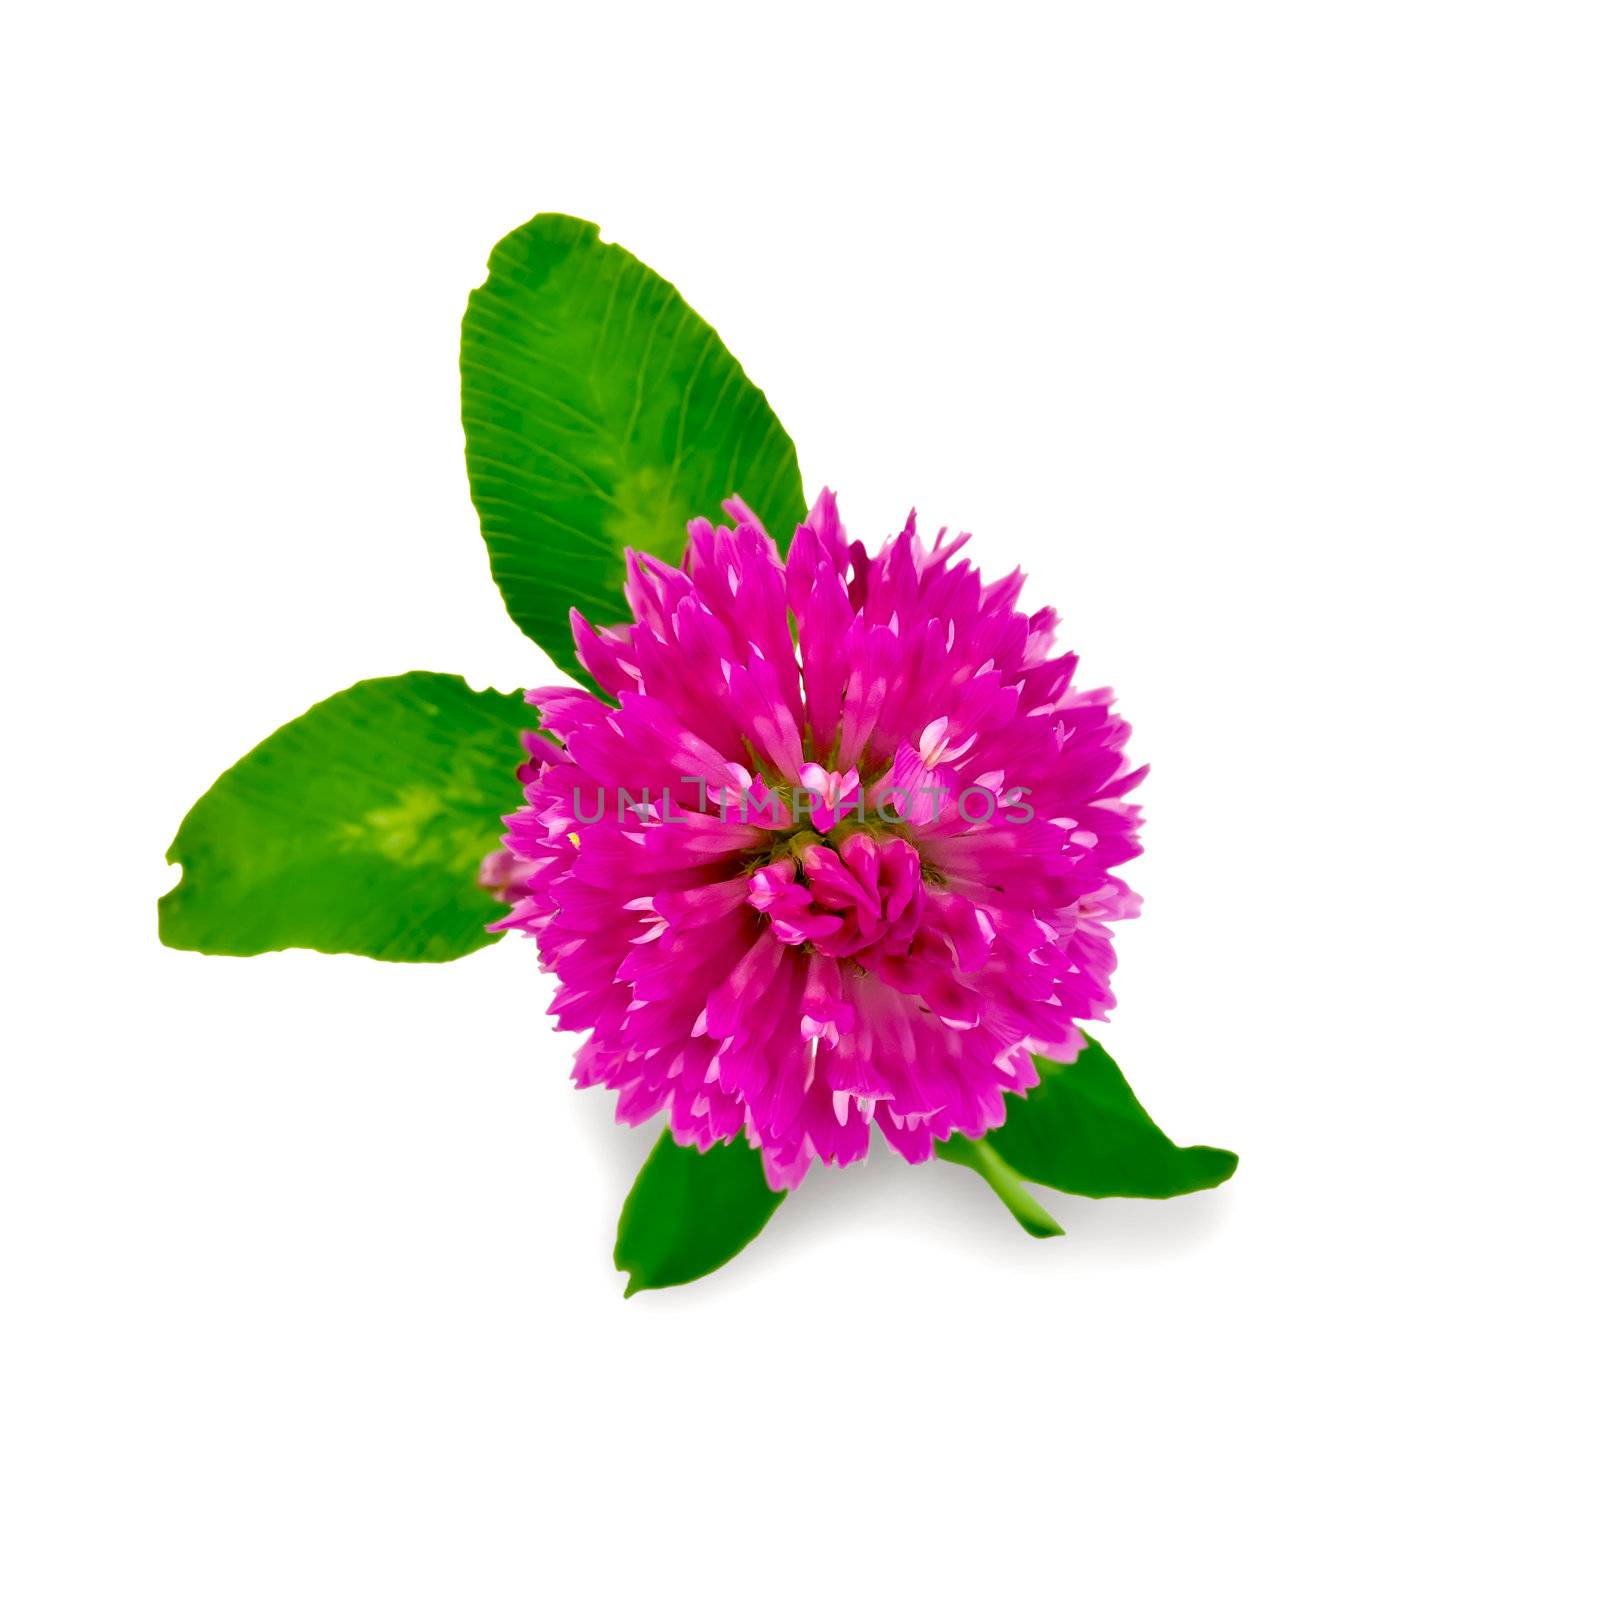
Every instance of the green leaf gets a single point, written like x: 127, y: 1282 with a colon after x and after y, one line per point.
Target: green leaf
x: 358, y: 827
x: 601, y: 413
x: 985, y: 1160
x: 688, y: 1213
x: 1082, y: 1131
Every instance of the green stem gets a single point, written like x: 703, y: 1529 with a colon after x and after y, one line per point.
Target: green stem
x: 987, y: 1162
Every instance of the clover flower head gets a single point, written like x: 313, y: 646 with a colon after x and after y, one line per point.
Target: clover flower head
x: 837, y: 850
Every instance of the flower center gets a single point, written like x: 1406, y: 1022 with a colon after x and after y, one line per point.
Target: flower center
x: 853, y: 891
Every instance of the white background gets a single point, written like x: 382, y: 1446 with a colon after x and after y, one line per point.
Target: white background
x: 1266, y: 338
